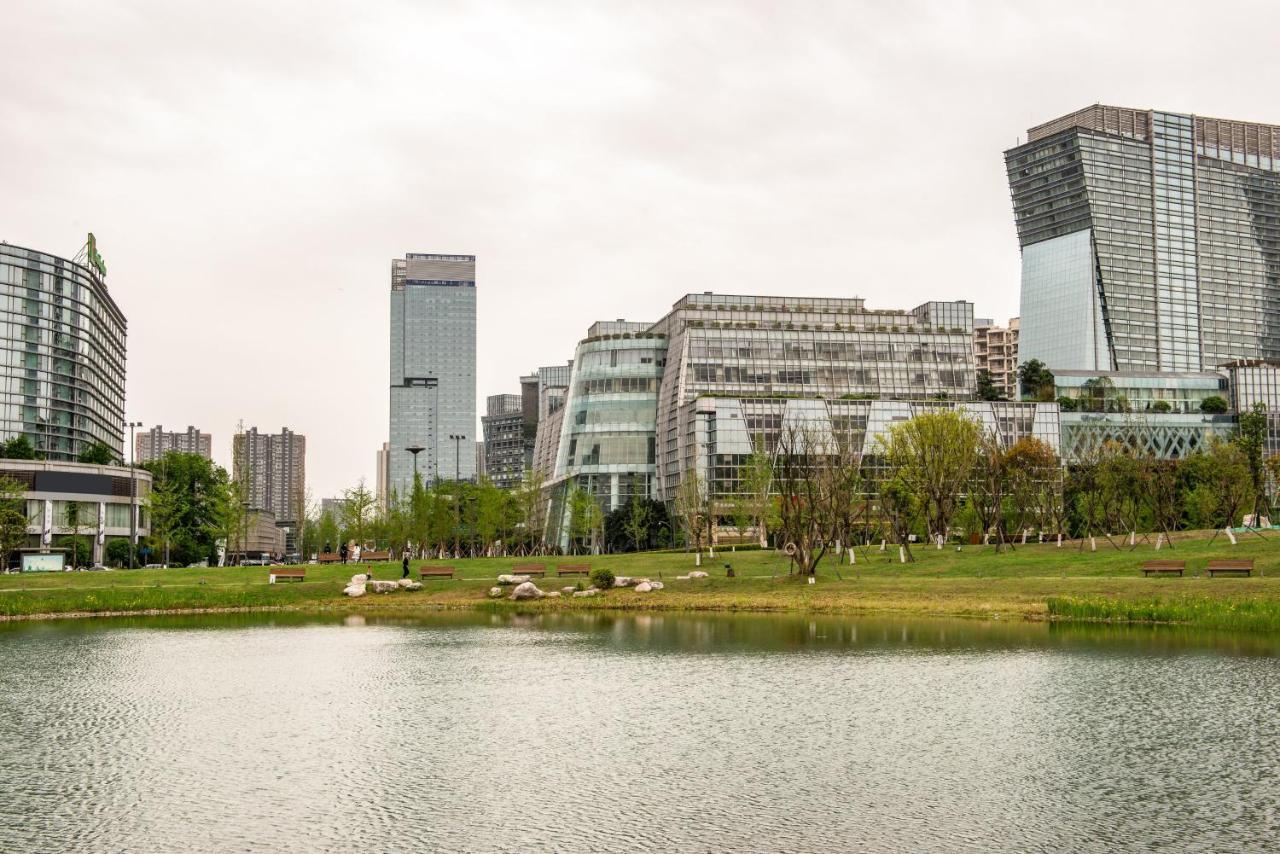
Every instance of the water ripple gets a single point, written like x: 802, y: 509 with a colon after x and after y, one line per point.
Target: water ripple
x: 644, y: 733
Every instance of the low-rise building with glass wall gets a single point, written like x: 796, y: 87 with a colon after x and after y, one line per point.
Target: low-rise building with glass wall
x: 1153, y: 392
x: 97, y: 499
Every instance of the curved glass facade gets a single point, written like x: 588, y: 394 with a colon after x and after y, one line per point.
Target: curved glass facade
x: 62, y: 355
x: 608, y: 430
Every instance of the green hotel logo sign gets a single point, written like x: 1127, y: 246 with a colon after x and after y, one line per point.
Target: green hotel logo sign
x: 94, y: 258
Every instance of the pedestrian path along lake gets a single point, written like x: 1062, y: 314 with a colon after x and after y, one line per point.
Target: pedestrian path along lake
x: 478, y: 732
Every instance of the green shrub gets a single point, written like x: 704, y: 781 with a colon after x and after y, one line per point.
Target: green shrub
x: 602, y: 578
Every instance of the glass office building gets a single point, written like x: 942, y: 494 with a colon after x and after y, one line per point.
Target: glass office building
x: 433, y: 369
x: 63, y: 351
x: 1150, y: 240
x: 758, y: 348
x: 606, y: 444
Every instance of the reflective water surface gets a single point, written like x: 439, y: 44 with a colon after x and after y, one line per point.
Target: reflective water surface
x: 706, y: 733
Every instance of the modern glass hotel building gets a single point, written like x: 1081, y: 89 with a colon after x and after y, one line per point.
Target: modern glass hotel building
x: 62, y: 355
x: 1150, y: 240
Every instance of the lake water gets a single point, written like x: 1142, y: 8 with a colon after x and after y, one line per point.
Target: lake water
x: 692, y: 733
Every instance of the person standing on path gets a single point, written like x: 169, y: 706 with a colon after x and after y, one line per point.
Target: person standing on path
x: 343, y: 552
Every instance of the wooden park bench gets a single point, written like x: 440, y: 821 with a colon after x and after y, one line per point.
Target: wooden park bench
x: 1230, y: 567
x: 374, y: 557
x: 573, y: 569
x: 329, y: 557
x: 435, y: 572
x: 530, y: 569
x: 297, y: 574
x: 1164, y: 567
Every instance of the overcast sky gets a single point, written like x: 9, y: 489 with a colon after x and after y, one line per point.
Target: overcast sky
x: 250, y: 168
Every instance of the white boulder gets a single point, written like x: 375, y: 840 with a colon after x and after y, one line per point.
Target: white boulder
x: 655, y: 585
x: 526, y: 590
x: 405, y: 583
x: 590, y: 591
x: 506, y: 580
x: 567, y: 589
x: 552, y: 594
x: 644, y: 587
x: 697, y: 573
x: 383, y: 586
x: 412, y: 585
x: 354, y: 590
x: 495, y: 592
x: 359, y: 579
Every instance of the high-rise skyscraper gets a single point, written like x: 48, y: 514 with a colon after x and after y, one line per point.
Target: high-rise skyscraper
x: 433, y: 368
x: 156, y: 442
x: 1150, y: 240
x: 272, y: 468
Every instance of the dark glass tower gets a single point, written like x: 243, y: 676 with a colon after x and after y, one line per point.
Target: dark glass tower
x: 1150, y: 240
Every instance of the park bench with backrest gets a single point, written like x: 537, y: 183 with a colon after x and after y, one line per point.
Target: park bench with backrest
x: 328, y: 557
x: 1164, y: 567
x: 435, y: 572
x: 573, y: 569
x: 296, y: 574
x: 375, y: 557
x: 1230, y: 567
x: 530, y: 569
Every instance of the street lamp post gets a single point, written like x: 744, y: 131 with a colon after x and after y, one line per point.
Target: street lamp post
x: 415, y: 450
x: 457, y: 454
x: 133, y: 497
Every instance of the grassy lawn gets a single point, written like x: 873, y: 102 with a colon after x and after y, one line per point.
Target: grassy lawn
x: 1033, y: 581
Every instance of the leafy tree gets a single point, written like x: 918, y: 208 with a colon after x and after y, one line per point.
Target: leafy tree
x: 1214, y: 404
x: 327, y: 531
x: 1161, y: 406
x: 987, y: 389
x: 757, y: 486
x: 900, y: 507
x: 1252, y: 439
x: 99, y: 453
x: 1034, y: 485
x: 18, y: 447
x: 637, y: 523
x: 77, y: 549
x: 117, y: 552
x: 585, y: 520
x: 532, y: 508
x: 13, y: 518
x: 192, y: 504
x: 1067, y: 404
x: 1035, y: 380
x: 1230, y: 481
x: 934, y: 455
x: 987, y: 488
x: 358, y: 511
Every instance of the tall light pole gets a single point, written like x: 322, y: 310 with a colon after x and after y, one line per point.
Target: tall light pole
x: 415, y: 450
x: 133, y: 496
x: 457, y: 454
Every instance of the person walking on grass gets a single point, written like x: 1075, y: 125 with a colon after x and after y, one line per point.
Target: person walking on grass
x: 343, y: 552
x: 404, y: 562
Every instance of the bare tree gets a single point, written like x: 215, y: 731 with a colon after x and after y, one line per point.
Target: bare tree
x: 692, y: 511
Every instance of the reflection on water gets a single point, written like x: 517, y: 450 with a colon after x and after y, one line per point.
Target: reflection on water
x: 588, y: 732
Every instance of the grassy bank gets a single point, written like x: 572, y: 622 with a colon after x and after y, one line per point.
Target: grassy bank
x: 1033, y: 582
